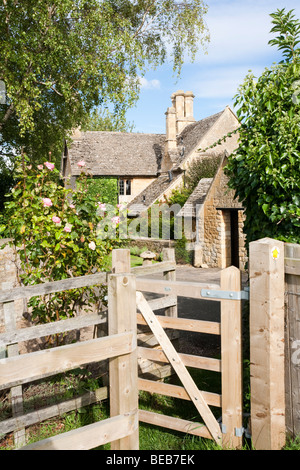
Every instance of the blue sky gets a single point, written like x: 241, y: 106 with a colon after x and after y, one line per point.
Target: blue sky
x: 239, y: 35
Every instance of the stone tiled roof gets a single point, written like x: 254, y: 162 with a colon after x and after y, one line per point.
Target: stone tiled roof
x: 117, y: 153
x: 197, y: 197
x: 191, y: 135
x: 150, y: 194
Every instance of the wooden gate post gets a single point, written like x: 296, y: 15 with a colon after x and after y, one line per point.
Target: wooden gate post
x: 231, y: 361
x: 169, y: 255
x: 123, y: 370
x: 266, y: 263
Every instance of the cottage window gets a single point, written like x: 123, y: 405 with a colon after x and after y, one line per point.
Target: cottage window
x: 121, y: 187
x: 125, y: 187
x: 128, y: 187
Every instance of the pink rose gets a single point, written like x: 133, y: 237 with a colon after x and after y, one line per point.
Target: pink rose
x: 120, y: 206
x: 67, y: 228
x: 40, y: 167
x: 47, y: 202
x: 72, y: 206
x: 115, y: 219
x: 102, y: 206
x: 81, y: 163
x: 92, y: 245
x: 55, y: 219
x: 49, y: 165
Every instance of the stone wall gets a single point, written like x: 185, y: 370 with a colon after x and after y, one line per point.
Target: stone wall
x: 153, y: 244
x: 214, y: 232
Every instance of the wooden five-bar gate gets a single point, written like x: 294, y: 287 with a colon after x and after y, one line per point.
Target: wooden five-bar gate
x: 127, y: 306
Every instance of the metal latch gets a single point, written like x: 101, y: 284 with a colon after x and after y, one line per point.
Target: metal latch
x: 223, y: 294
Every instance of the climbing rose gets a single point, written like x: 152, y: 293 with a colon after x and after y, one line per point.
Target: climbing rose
x: 92, y: 245
x: 49, y: 165
x: 81, y: 163
x: 40, y: 167
x: 72, y: 206
x: 55, y: 219
x: 67, y: 228
x: 47, y: 202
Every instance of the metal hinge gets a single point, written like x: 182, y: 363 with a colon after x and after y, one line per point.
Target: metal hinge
x: 223, y: 294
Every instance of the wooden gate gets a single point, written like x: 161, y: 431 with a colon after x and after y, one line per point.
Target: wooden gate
x: 229, y: 293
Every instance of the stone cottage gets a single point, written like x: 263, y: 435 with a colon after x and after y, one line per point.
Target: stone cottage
x: 217, y: 237
x: 186, y: 140
x: 148, y: 166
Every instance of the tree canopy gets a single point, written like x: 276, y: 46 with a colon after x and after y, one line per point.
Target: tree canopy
x: 265, y: 169
x: 60, y: 59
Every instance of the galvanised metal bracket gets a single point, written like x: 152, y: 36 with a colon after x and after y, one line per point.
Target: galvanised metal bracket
x: 238, y: 432
x: 223, y: 294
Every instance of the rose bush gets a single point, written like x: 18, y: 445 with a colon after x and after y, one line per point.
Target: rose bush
x: 55, y: 232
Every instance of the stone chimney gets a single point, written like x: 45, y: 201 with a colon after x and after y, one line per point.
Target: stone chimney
x: 171, y: 129
x: 178, y: 117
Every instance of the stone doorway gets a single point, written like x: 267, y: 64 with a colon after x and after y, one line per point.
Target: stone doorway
x: 230, y: 246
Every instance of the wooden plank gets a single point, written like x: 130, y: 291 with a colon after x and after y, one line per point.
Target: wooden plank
x: 292, y: 341
x: 179, y: 368
x: 291, y: 265
x: 28, y: 367
x: 177, y: 424
x: 38, y: 331
x: 266, y: 263
x: 162, y: 302
x: 197, y: 362
x: 51, y: 287
x: 90, y: 436
x: 232, y: 362
x: 176, y: 391
x: 176, y: 288
x: 123, y: 370
x: 199, y: 326
x: 59, y: 409
x: 16, y: 395
x: 156, y: 268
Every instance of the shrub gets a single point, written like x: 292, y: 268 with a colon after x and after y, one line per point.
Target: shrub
x: 55, y: 231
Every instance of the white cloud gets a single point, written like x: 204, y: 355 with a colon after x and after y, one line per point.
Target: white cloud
x: 149, y: 84
x: 221, y: 82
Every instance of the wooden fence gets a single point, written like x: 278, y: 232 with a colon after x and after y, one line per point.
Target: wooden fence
x: 120, y: 346
x: 61, y: 360
x: 17, y: 370
x: 274, y: 352
x: 292, y: 338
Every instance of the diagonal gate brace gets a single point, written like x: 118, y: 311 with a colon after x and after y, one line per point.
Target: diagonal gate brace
x: 180, y: 369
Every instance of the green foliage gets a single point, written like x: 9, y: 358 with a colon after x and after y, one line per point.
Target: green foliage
x: 56, y: 233
x: 265, y: 170
x: 101, y: 119
x: 106, y: 188
x: 203, y: 168
x: 60, y: 60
